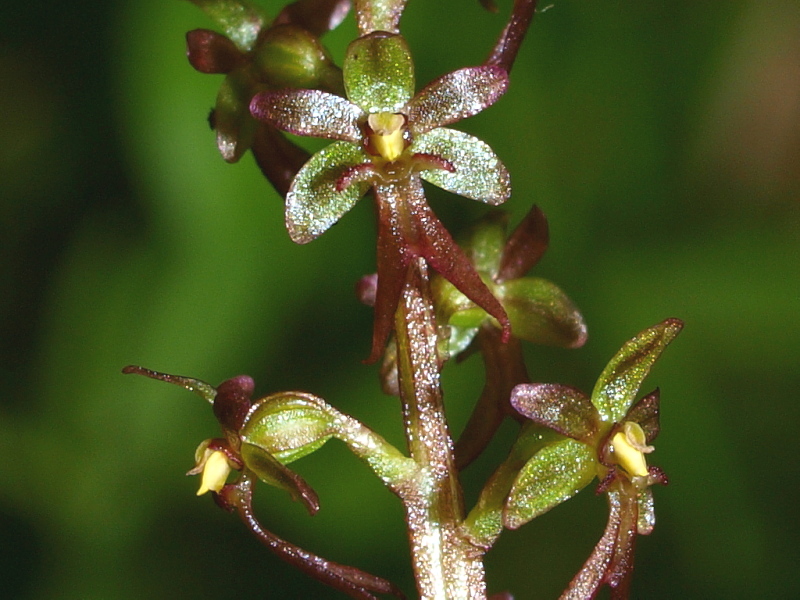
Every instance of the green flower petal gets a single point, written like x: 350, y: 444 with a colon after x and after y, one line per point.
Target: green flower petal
x: 553, y: 475
x: 478, y: 174
x: 378, y: 72
x: 313, y: 203
x: 620, y: 380
x: 541, y: 313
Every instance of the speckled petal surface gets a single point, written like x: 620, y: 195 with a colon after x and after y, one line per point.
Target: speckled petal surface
x: 313, y: 204
x: 479, y: 174
x: 456, y: 96
x: 378, y: 72
x: 309, y: 112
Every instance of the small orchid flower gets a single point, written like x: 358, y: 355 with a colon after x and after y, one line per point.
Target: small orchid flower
x: 606, y: 436
x: 539, y: 311
x: 255, y: 55
x: 260, y: 438
x: 387, y: 139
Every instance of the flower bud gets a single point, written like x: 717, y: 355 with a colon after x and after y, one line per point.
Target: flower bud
x: 288, y: 425
x: 288, y: 56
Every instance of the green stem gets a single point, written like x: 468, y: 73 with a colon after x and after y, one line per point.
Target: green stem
x: 446, y: 565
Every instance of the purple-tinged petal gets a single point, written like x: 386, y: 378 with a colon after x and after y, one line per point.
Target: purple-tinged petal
x: 393, y: 256
x: 241, y: 21
x: 407, y: 228
x: 349, y: 580
x: 378, y: 72
x: 618, y: 576
x: 619, y: 382
x: 646, y: 413
x: 435, y: 244
x: 505, y: 51
x: 378, y: 15
x: 525, y: 246
x: 612, y: 554
x: 313, y: 203
x: 315, y: 16
x: 455, y: 96
x: 211, y: 52
x: 562, y: 408
x: 478, y: 175
x: 310, y: 113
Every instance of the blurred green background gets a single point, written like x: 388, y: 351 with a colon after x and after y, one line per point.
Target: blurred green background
x: 661, y: 139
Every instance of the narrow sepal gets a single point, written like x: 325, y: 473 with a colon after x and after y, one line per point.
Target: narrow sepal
x: 211, y: 52
x: 378, y: 72
x: 205, y: 390
x: 541, y: 313
x: 525, y: 246
x: 619, y: 382
x: 314, y: 203
x: 449, y: 260
x: 241, y: 21
x: 271, y: 471
x: 456, y: 96
x: 611, y: 560
x: 478, y: 174
x: 378, y: 15
x: 562, y: 408
x: 393, y: 257
x: 407, y: 228
x: 309, y: 113
x: 349, y: 580
x: 552, y: 476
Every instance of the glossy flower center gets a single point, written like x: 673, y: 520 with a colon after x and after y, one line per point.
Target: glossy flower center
x: 387, y: 136
x: 215, y: 472
x: 630, y: 446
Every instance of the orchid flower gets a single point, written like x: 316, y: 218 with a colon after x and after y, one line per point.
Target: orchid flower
x: 607, y: 436
x: 254, y: 55
x: 259, y: 439
x: 387, y: 139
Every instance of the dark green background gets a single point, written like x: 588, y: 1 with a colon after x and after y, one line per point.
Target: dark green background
x: 662, y: 139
